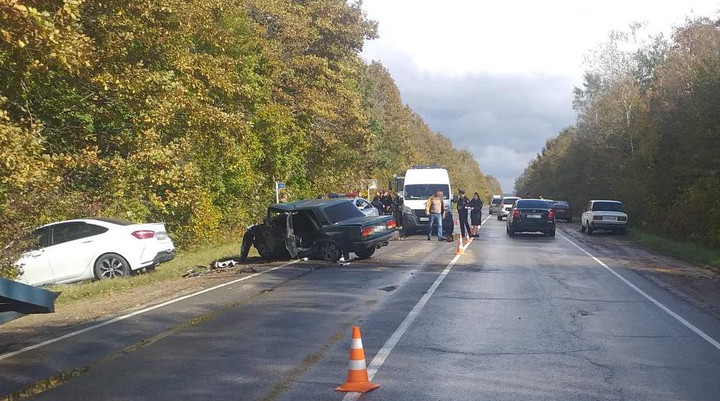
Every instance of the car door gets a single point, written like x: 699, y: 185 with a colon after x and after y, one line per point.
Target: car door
x: 586, y: 214
x: 73, y: 249
x: 35, y: 264
x: 290, y: 239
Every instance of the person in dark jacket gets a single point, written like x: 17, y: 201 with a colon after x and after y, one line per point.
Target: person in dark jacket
x: 463, y: 205
x: 475, y: 214
x: 387, y: 203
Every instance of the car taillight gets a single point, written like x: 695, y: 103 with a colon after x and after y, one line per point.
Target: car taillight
x: 516, y: 214
x: 367, y: 231
x: 143, y: 234
x: 391, y: 224
x: 551, y: 215
x: 597, y: 217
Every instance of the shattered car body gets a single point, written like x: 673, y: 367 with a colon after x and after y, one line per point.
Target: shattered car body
x: 325, y: 229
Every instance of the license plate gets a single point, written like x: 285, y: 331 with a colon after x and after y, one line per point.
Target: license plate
x: 424, y: 219
x: 611, y: 218
x: 534, y: 216
x: 378, y: 229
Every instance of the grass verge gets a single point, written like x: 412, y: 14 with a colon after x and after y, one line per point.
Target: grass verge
x: 171, y: 270
x: 683, y: 250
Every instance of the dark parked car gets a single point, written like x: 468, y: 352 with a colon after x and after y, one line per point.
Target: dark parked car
x: 563, y: 210
x: 531, y: 215
x: 318, y: 228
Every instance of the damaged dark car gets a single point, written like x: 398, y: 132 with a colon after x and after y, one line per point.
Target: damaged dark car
x: 326, y: 229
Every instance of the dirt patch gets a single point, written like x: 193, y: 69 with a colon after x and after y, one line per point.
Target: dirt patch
x: 33, y: 329
x: 696, y: 284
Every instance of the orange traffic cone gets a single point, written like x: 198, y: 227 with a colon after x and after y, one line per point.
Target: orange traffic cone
x: 357, y: 377
x: 460, y: 250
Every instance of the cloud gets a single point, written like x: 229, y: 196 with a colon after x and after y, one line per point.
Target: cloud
x: 503, y: 120
x: 497, y: 77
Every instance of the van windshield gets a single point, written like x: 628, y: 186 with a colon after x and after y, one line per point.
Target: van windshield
x: 424, y: 191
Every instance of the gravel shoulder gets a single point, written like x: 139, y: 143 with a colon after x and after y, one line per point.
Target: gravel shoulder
x: 696, y: 284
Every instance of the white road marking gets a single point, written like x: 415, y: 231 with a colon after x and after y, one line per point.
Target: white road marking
x: 137, y: 312
x: 657, y: 303
x: 382, y: 355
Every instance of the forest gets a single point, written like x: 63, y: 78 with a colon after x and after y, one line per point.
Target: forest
x: 647, y: 133
x: 186, y: 112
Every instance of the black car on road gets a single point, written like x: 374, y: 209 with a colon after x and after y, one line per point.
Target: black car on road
x: 318, y: 228
x: 531, y: 215
x: 563, y: 210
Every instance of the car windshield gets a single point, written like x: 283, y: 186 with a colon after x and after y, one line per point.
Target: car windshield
x: 342, y: 211
x: 424, y: 191
x: 533, y: 204
x: 608, y: 207
x: 561, y: 204
x: 496, y: 201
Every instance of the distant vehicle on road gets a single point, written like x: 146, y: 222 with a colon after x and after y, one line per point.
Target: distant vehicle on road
x: 420, y: 184
x: 604, y: 215
x: 531, y: 215
x: 326, y: 229
x: 563, y: 210
x: 505, y: 205
x: 76, y: 250
x: 365, y: 207
x: 495, y: 204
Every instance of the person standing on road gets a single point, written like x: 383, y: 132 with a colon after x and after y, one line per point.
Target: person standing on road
x: 463, y: 207
x: 435, y: 209
x: 476, y: 205
x: 387, y: 202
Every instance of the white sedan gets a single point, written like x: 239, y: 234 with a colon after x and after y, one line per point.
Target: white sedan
x: 83, y: 249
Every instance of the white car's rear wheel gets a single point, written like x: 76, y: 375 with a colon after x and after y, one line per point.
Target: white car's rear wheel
x: 111, y: 265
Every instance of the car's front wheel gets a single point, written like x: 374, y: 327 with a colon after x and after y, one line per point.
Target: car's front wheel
x: 111, y: 265
x: 365, y: 253
x: 330, y: 251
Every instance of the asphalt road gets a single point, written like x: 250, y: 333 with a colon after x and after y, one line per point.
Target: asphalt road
x: 527, y: 318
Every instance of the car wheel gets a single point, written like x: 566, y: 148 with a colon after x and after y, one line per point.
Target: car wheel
x: 262, y: 248
x: 111, y: 265
x: 550, y: 233
x: 499, y: 217
x: 330, y: 251
x: 365, y: 253
x: 510, y: 232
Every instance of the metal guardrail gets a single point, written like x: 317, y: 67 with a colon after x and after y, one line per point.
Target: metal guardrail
x: 18, y: 299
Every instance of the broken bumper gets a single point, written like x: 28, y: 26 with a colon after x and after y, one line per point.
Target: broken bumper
x: 375, y: 242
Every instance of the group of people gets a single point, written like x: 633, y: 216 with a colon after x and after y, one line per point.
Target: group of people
x: 469, y: 214
x: 385, y: 203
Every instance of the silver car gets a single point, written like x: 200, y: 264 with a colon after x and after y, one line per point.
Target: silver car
x: 495, y: 204
x: 365, y: 207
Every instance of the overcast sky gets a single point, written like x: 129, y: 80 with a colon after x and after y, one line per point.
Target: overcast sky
x: 497, y: 77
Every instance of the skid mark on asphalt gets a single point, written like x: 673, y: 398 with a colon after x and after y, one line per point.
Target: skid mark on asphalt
x: 657, y: 303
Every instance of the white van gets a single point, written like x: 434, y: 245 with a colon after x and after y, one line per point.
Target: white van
x: 420, y: 184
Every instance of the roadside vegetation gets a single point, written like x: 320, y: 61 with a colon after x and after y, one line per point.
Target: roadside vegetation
x: 186, y: 112
x: 647, y: 133
x: 682, y: 250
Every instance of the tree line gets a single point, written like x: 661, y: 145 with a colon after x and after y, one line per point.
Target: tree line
x: 647, y: 133
x: 187, y: 111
